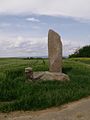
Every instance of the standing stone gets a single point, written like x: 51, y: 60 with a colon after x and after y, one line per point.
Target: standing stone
x: 55, y: 61
x: 54, y: 52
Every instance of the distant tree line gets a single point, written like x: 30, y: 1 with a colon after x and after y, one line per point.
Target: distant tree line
x: 82, y: 52
x: 34, y: 58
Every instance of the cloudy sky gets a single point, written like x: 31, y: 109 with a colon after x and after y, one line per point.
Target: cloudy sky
x: 24, y: 25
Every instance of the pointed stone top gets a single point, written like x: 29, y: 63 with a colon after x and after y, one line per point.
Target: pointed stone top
x: 53, y: 32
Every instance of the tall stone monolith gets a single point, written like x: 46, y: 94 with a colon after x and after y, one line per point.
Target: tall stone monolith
x: 55, y: 60
x: 54, y: 52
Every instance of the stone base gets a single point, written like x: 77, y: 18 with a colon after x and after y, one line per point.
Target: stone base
x: 50, y: 76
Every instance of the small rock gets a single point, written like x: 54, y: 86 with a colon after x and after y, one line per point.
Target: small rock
x: 29, y: 73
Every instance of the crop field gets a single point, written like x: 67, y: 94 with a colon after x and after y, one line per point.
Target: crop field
x: 83, y: 60
x: 17, y: 93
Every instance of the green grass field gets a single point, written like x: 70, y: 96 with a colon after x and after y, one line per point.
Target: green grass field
x: 16, y: 93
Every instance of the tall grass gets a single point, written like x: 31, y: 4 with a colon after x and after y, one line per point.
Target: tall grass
x: 16, y: 93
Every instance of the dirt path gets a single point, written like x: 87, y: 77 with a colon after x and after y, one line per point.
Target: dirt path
x: 79, y: 110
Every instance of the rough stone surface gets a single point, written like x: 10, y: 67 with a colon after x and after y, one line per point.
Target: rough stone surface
x: 29, y: 73
x: 51, y: 76
x: 28, y: 69
x: 54, y: 51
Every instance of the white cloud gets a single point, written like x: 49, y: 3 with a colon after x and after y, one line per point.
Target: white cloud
x: 32, y: 46
x: 70, y: 46
x: 32, y: 19
x: 73, y: 8
x: 23, y: 46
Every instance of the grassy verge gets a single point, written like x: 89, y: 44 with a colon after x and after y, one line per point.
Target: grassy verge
x: 16, y: 93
